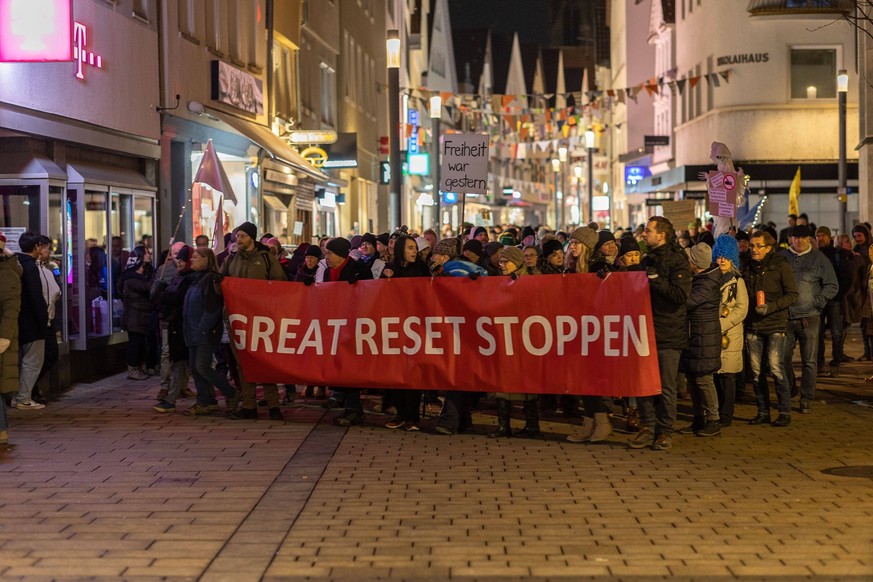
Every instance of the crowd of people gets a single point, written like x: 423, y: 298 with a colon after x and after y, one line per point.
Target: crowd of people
x: 728, y: 311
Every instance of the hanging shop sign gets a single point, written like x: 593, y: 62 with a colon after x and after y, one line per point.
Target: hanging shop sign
x: 343, y: 153
x: 312, y: 136
x: 237, y: 88
x: 315, y: 156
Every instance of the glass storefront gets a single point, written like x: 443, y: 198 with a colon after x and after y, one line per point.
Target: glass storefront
x: 242, y: 173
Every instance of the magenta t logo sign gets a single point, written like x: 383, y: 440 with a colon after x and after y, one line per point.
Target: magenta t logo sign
x: 80, y: 55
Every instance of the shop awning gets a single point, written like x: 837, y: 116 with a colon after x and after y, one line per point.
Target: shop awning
x: 87, y: 173
x: 272, y: 144
x: 29, y: 166
x: 274, y: 203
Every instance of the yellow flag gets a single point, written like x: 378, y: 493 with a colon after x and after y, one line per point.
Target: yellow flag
x: 794, y: 194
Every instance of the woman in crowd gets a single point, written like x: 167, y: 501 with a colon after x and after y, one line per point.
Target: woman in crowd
x: 531, y: 259
x: 552, y: 258
x: 201, y: 313
x: 734, y: 308
x: 596, y: 426
x: 512, y: 264
x: 171, y: 304
x: 407, y: 263
x: 308, y: 269
x: 135, y: 285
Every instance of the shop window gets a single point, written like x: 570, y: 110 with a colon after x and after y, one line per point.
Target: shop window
x: 19, y: 211
x: 98, y: 271
x: 813, y: 73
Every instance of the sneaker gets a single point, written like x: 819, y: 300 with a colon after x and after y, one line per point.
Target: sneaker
x: 164, y: 406
x: 760, y: 419
x: 782, y: 420
x: 28, y: 404
x: 243, y: 414
x: 395, y: 423
x: 276, y: 413
x: 412, y: 427
x: 805, y: 408
x: 349, y: 418
x: 711, y: 428
x: 642, y: 439
x: 443, y: 430
x: 664, y: 442
x: 583, y: 435
x: 197, y: 410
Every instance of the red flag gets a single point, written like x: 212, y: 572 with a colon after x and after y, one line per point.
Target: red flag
x: 211, y: 173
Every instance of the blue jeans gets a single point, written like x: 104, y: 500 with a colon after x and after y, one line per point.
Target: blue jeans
x: 773, y: 344
x: 205, y: 376
x: 831, y: 318
x: 805, y: 331
x: 659, y: 412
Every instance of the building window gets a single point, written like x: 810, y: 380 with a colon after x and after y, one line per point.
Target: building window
x: 187, y: 20
x: 215, y: 39
x: 813, y: 73
x: 141, y: 10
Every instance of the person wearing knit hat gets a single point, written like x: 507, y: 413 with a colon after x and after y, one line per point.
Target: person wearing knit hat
x: 474, y: 252
x: 307, y: 271
x: 551, y: 261
x: 339, y: 246
x: 579, y: 250
x: 726, y: 248
x: 474, y: 246
x: 248, y: 228
x: 701, y: 358
x: 447, y: 247
x: 314, y: 251
x: 528, y: 236
x: 629, y: 255
x: 369, y: 255
x: 700, y: 256
x: 605, y: 253
x: 512, y: 262
x: 480, y: 233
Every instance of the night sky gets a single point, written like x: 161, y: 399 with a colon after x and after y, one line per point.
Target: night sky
x: 528, y: 17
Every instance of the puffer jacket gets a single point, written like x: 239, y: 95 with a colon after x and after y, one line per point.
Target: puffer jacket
x: 775, y: 278
x: 669, y: 291
x: 702, y: 355
x: 816, y: 282
x: 734, y: 300
x: 33, y: 317
x: 10, y: 305
x: 257, y: 263
x: 136, y: 298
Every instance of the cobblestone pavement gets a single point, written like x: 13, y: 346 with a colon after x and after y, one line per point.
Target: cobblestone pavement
x: 98, y: 485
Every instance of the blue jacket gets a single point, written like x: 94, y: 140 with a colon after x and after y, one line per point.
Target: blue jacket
x: 816, y: 282
x: 201, y: 311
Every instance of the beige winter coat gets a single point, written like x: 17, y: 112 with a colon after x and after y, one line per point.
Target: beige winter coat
x: 736, y: 299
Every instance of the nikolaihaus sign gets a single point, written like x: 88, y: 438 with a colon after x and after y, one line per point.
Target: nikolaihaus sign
x: 742, y: 59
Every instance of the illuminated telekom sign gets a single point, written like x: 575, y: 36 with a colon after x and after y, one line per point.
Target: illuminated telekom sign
x: 80, y: 55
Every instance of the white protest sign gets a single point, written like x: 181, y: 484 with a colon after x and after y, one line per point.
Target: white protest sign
x: 12, y: 234
x: 722, y: 189
x: 465, y: 163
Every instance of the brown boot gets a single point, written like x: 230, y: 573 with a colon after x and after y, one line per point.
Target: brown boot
x: 602, y: 428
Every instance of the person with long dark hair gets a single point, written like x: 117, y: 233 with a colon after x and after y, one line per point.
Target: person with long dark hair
x: 407, y: 263
x: 201, y: 313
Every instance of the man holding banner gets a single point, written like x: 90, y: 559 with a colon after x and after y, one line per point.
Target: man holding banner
x: 252, y: 260
x: 669, y: 287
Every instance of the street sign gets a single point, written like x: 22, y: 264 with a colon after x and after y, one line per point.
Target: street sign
x: 655, y: 140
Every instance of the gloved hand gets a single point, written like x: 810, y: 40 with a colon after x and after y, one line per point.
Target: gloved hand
x: 652, y: 272
x: 4, y: 344
x: 761, y: 309
x: 601, y: 273
x: 308, y: 282
x: 473, y: 276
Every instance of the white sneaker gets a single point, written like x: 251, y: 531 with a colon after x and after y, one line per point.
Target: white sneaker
x: 27, y: 405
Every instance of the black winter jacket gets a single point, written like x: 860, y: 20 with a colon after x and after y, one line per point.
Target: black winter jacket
x: 702, y: 356
x: 669, y: 291
x: 33, y: 317
x: 138, y: 306
x: 775, y: 278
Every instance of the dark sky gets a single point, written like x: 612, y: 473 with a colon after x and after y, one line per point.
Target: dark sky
x: 528, y: 17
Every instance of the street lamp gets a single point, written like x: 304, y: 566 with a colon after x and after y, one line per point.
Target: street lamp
x: 842, y: 90
x: 436, y: 113
x: 556, y: 168
x: 392, y: 46
x: 562, y: 157
x: 589, y: 145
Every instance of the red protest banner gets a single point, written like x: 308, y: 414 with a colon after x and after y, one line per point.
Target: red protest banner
x: 573, y: 334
